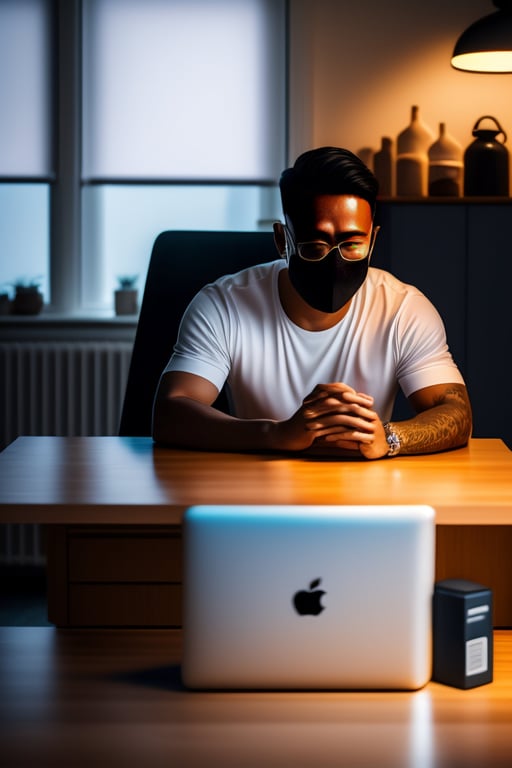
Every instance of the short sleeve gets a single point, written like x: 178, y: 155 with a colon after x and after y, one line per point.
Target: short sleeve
x: 202, y: 344
x: 423, y: 356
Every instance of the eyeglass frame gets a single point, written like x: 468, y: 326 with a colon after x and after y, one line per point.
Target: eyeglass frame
x: 337, y: 247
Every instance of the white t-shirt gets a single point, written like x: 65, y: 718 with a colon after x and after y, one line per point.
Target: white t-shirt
x: 236, y: 330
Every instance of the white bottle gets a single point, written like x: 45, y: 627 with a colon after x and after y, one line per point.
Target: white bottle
x: 411, y: 157
x: 445, y: 166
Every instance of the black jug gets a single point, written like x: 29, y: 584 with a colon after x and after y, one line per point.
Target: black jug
x: 486, y: 162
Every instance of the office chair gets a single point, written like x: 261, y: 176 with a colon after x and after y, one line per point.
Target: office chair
x: 181, y: 263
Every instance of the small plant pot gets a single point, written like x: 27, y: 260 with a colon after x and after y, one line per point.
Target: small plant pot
x: 27, y: 303
x: 5, y: 304
x: 126, y: 301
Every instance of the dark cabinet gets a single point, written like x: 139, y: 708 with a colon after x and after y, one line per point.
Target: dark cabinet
x: 459, y: 253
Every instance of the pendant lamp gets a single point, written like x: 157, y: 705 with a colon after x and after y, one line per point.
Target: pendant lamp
x: 486, y: 45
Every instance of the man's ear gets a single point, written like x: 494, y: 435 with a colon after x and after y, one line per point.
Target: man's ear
x: 280, y: 239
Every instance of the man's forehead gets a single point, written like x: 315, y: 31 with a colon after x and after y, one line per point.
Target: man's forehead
x: 342, y: 211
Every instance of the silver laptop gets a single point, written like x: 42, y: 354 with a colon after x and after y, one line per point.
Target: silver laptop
x: 308, y: 597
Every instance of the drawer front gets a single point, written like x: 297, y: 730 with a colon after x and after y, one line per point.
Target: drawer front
x: 124, y: 557
x: 125, y: 605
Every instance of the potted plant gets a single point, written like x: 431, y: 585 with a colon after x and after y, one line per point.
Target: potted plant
x: 28, y: 299
x: 126, y: 295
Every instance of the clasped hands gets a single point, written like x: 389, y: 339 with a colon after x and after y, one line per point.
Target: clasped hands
x: 335, y: 416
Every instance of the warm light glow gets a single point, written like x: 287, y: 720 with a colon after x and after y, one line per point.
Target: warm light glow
x: 484, y: 61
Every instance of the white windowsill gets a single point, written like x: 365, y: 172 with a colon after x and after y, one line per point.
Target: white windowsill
x: 55, y: 327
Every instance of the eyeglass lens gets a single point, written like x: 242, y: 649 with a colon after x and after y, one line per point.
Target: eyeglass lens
x: 316, y: 251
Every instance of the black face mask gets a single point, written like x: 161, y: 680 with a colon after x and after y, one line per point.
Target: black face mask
x: 328, y: 284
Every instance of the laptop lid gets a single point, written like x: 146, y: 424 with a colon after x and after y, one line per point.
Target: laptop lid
x: 308, y: 597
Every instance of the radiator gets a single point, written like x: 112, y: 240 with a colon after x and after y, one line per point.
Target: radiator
x: 57, y: 388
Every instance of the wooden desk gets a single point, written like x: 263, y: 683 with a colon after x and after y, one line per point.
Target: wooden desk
x: 114, y: 508
x: 102, y: 698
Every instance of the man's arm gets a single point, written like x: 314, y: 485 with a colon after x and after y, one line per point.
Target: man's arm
x: 183, y: 416
x: 443, y: 421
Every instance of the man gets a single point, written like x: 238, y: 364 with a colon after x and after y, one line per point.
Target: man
x: 314, y: 346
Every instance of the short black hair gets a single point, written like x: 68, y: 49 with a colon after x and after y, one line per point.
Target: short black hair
x: 326, y: 171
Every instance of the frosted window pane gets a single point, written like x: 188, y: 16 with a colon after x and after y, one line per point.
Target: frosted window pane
x: 24, y: 235
x: 25, y: 88
x: 122, y: 222
x: 184, y: 89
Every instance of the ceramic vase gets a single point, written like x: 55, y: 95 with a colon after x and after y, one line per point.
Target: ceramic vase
x: 411, y: 157
x: 445, y: 165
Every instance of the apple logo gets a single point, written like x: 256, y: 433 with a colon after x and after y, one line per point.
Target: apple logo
x: 307, y: 602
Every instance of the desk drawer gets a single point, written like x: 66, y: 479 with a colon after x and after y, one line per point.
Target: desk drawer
x: 125, y: 605
x: 124, y: 556
x: 114, y: 576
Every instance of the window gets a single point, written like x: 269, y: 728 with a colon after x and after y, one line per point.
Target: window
x: 181, y: 125
x: 26, y: 164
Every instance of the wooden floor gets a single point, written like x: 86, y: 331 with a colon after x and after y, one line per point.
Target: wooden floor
x: 80, y: 698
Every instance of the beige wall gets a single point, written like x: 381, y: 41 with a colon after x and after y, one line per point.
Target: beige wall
x: 357, y: 67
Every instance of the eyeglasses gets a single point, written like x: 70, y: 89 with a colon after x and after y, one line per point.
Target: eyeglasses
x: 349, y: 250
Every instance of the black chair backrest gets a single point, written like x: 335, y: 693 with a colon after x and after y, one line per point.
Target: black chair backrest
x: 181, y: 264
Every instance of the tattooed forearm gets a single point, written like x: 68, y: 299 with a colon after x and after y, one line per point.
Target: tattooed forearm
x: 446, y: 424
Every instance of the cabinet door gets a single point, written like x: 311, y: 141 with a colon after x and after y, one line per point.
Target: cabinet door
x: 426, y: 246
x: 489, y: 319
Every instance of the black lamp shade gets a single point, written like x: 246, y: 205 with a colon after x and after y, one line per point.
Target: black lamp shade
x: 486, y: 46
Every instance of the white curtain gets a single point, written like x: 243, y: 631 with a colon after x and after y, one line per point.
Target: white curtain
x: 184, y: 89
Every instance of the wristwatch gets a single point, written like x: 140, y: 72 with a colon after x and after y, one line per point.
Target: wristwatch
x: 392, y: 439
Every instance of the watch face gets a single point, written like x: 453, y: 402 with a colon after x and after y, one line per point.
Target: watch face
x: 392, y: 440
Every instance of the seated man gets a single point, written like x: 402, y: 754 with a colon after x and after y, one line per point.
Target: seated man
x: 314, y: 345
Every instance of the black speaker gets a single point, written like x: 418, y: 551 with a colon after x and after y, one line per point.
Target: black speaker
x: 463, y: 640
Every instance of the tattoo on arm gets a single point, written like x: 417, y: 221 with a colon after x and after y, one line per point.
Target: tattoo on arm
x: 447, y: 424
